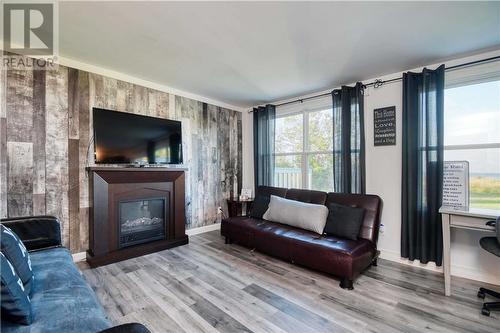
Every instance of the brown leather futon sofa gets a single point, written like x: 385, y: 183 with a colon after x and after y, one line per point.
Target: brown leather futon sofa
x: 343, y: 258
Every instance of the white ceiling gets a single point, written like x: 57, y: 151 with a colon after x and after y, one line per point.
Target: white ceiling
x: 244, y: 53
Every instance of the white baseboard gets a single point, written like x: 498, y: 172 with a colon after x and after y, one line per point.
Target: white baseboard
x: 80, y: 256
x: 456, y: 270
x: 200, y: 230
x: 396, y: 257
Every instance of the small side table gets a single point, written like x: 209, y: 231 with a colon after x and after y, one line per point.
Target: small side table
x: 235, y: 206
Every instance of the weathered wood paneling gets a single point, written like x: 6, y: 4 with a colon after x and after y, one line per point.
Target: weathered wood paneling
x: 19, y: 137
x: 3, y: 144
x: 73, y: 107
x: 83, y: 144
x: 56, y: 148
x: 39, y: 132
x: 84, y: 228
x: 3, y: 94
x: 162, y: 105
x: 209, y: 136
x: 74, y: 194
x: 3, y: 167
x: 48, y: 127
x: 20, y: 178
x: 19, y: 105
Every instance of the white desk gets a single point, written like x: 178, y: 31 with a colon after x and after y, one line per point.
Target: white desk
x: 472, y: 219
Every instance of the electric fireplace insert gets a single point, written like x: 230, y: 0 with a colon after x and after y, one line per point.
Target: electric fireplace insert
x: 141, y: 221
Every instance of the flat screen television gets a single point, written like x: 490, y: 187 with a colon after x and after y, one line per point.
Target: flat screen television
x: 125, y: 138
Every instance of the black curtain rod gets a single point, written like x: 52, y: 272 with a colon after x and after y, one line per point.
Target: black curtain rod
x: 378, y: 83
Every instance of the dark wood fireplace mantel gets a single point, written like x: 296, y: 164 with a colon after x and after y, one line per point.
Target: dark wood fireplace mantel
x: 110, y: 186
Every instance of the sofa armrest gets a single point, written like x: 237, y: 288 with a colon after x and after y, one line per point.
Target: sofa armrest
x: 127, y: 328
x: 36, y: 232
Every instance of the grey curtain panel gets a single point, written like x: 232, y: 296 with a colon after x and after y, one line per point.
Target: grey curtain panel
x: 348, y: 139
x: 422, y: 182
x: 264, y: 123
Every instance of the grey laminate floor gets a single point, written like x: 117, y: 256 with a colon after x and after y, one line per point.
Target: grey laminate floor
x: 208, y: 286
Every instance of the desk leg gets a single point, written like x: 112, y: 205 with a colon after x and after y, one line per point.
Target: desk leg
x: 446, y: 254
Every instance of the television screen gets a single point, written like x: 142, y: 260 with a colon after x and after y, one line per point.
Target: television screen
x: 125, y: 138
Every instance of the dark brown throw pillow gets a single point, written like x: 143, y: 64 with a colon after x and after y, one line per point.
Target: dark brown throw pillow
x: 260, y: 206
x: 344, y: 221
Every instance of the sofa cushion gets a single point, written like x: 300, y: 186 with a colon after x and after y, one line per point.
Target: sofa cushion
x: 330, y: 254
x: 260, y: 206
x: 344, y: 221
x: 270, y: 190
x: 16, y: 305
x: 308, y: 196
x: 298, y: 214
x: 62, y: 300
x: 15, y: 251
x: 372, y: 204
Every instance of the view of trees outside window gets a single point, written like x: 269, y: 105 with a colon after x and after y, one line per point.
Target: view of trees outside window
x: 289, y: 134
x: 472, y: 133
x: 303, y: 153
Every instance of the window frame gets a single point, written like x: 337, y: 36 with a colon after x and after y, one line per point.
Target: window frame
x: 464, y: 81
x: 306, y: 152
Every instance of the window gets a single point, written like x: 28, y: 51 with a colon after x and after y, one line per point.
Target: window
x: 303, y: 153
x: 472, y: 133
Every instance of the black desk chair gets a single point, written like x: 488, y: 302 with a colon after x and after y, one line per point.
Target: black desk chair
x: 492, y: 245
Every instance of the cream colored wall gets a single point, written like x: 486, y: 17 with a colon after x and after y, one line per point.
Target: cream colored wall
x: 247, y: 137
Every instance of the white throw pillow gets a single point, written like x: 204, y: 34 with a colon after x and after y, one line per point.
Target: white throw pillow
x: 297, y: 214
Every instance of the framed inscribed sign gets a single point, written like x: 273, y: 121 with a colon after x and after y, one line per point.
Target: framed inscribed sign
x: 384, y: 126
x: 456, y: 184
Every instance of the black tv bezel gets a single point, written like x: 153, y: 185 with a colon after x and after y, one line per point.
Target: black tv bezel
x: 132, y: 115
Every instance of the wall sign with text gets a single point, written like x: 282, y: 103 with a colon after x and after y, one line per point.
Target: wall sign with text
x: 384, y: 126
x: 456, y: 184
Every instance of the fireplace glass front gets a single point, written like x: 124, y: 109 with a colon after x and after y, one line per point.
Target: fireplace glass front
x: 141, y: 221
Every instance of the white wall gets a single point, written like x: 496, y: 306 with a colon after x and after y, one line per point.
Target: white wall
x: 247, y: 148
x: 383, y: 167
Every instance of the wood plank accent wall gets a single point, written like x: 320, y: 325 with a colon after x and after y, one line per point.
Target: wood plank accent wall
x: 46, y: 144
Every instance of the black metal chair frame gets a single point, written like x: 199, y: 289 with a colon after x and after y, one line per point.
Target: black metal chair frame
x: 490, y: 306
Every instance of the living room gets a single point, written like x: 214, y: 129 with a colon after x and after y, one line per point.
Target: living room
x: 250, y: 166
